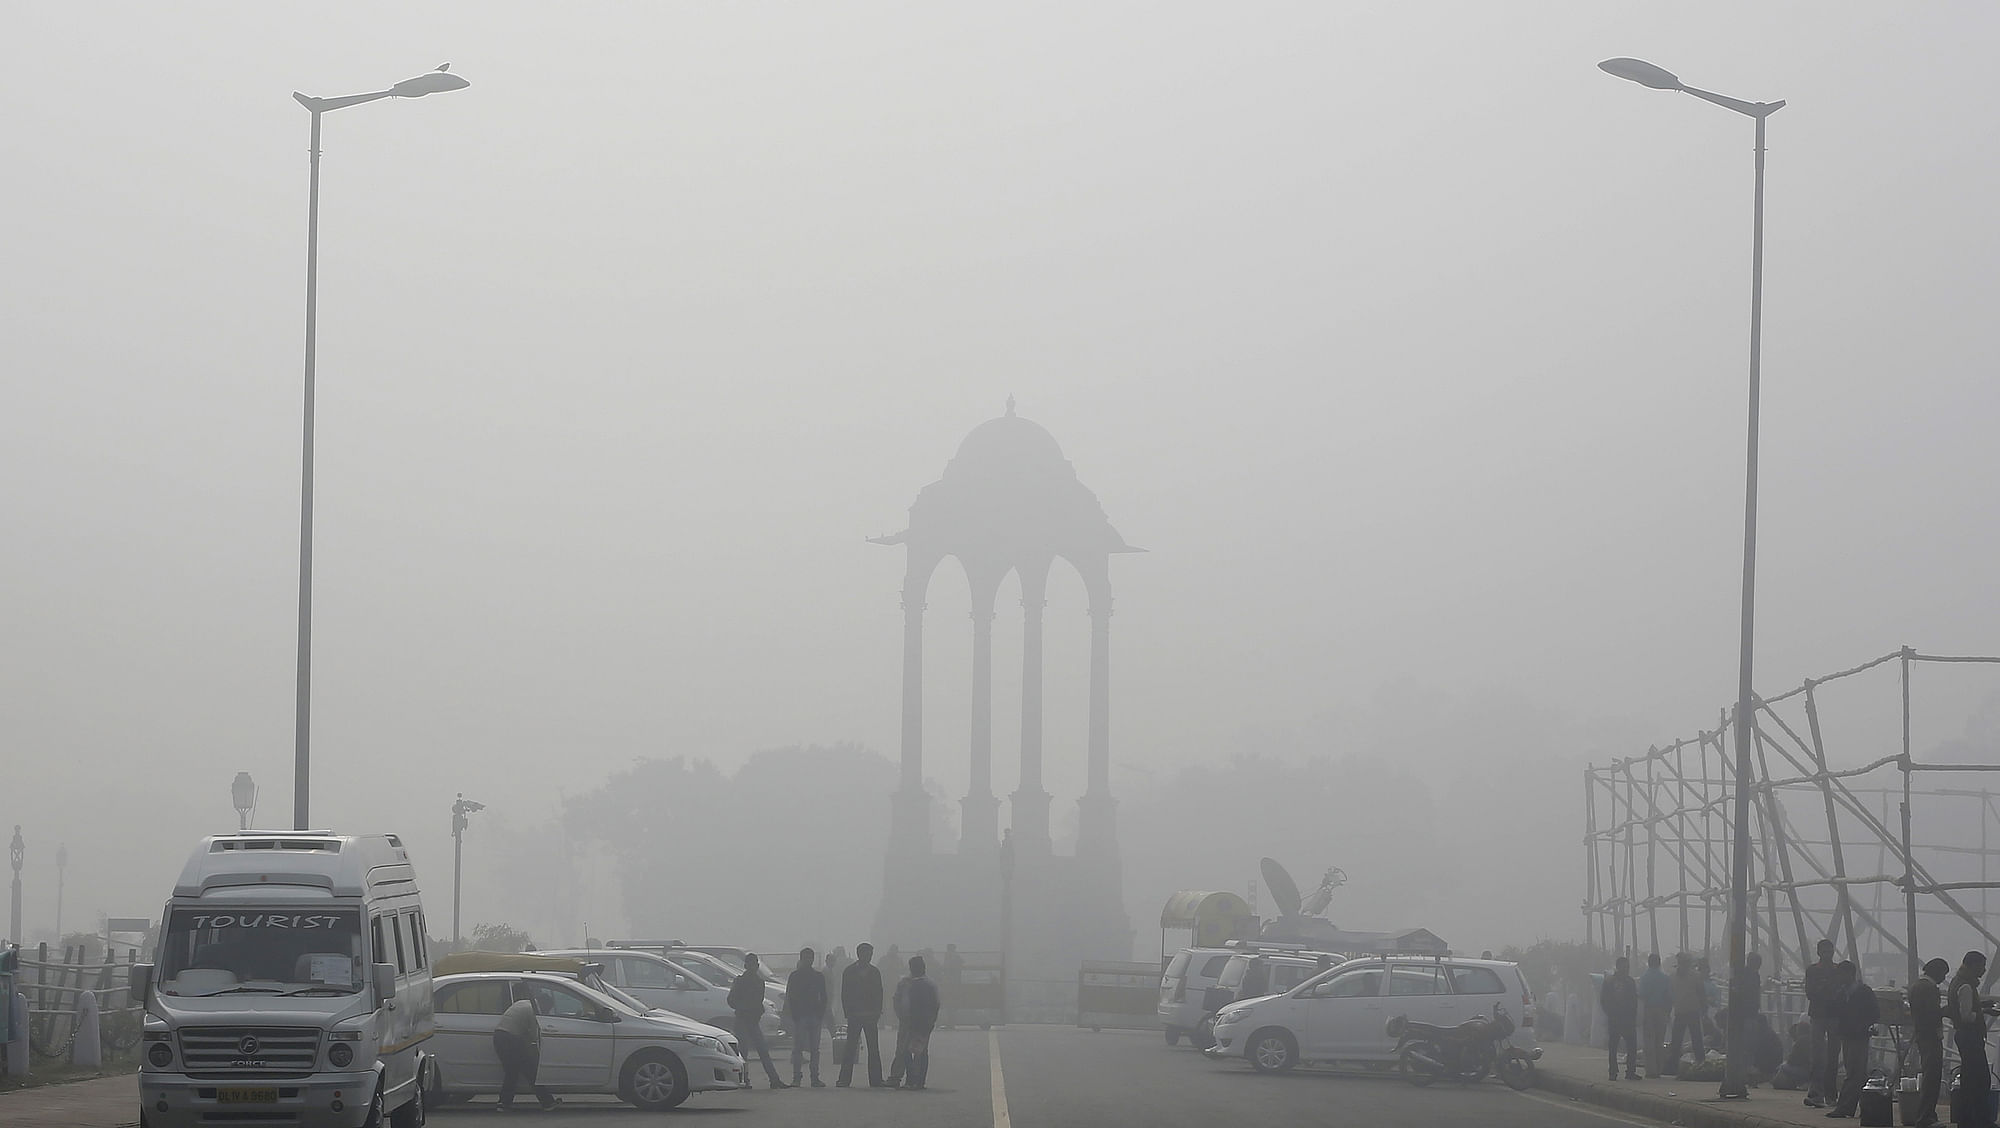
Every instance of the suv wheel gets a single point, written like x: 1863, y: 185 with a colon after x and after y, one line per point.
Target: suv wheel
x: 1272, y: 1050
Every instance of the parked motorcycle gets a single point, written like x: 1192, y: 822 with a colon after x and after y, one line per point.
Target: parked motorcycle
x: 1466, y: 1052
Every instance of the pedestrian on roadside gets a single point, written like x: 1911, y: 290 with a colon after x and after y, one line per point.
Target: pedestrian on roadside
x: 1690, y: 1010
x: 1656, y: 1005
x: 1968, y: 1013
x: 923, y: 1006
x: 1927, y: 1032
x: 1858, y: 1014
x: 805, y: 998
x: 1619, y: 999
x: 899, y: 1005
x: 951, y: 969
x: 861, y: 999
x: 836, y: 962
x: 746, y: 1001
x: 517, y: 1042
x: 1821, y: 996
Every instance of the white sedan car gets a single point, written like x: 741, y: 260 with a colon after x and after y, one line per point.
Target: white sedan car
x: 591, y: 1043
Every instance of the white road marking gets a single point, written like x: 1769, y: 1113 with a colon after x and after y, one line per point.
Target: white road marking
x: 1579, y: 1106
x: 1000, y: 1119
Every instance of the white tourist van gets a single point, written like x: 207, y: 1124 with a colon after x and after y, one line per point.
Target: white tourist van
x: 291, y: 985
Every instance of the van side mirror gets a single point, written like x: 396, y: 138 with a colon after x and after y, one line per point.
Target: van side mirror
x: 140, y: 978
x: 385, y: 984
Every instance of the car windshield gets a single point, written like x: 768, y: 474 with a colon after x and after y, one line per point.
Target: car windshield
x: 264, y: 951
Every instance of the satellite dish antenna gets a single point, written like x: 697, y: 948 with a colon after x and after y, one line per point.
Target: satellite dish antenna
x: 1284, y: 891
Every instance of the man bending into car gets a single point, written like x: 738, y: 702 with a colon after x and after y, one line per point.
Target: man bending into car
x: 517, y: 1041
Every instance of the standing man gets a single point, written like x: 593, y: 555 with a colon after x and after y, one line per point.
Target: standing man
x: 746, y: 1001
x: 1821, y: 997
x: 1927, y: 1031
x: 923, y: 1007
x: 805, y: 997
x: 1858, y: 1014
x: 1690, y: 1010
x: 1620, y: 1000
x: 836, y: 961
x: 861, y: 998
x: 952, y: 967
x: 1968, y: 1015
x: 899, y: 1005
x: 517, y: 1042
x: 1656, y: 1004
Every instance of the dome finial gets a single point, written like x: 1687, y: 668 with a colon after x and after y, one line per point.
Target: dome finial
x: 1010, y: 407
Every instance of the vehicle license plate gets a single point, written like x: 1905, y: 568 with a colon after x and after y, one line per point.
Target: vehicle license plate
x: 246, y: 1096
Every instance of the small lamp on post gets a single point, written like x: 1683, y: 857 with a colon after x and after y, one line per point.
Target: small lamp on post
x: 460, y: 812
x: 243, y: 794
x: 62, y: 863
x: 17, y: 852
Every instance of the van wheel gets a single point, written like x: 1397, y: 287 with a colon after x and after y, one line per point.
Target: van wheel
x: 1272, y: 1050
x: 654, y: 1081
x: 1173, y: 1035
x: 414, y: 1111
x: 377, y: 1108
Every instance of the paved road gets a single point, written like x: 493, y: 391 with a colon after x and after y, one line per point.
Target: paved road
x: 1057, y: 1077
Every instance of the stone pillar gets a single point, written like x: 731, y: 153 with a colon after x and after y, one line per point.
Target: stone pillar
x: 980, y: 825
x: 910, y: 824
x: 1030, y: 801
x: 1097, y: 835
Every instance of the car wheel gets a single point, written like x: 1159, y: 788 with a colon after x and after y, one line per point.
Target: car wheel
x: 1173, y: 1035
x: 1272, y: 1050
x: 654, y: 1080
x: 415, y: 1110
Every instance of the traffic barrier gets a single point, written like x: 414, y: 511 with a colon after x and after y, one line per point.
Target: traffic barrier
x: 977, y: 998
x: 1117, y: 995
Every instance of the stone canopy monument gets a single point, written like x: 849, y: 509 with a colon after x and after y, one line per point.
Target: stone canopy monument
x: 1008, y: 502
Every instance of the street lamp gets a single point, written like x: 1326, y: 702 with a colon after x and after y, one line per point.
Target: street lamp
x: 1646, y: 74
x: 434, y: 82
x: 459, y: 812
x: 17, y: 852
x: 62, y: 864
x: 243, y: 794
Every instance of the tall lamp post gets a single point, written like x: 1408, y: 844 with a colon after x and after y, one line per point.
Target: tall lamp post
x: 460, y: 811
x: 17, y: 852
x: 1646, y: 74
x: 62, y: 864
x: 243, y: 796
x: 432, y: 83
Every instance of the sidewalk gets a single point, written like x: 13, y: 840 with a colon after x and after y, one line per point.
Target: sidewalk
x: 106, y: 1102
x: 1578, y: 1072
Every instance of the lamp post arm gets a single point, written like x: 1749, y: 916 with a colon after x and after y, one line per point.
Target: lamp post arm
x: 1758, y: 110
x: 321, y: 105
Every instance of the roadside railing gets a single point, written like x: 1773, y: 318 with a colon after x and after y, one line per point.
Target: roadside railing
x: 76, y: 1011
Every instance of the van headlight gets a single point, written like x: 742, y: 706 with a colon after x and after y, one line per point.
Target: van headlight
x: 340, y: 1056
x: 161, y: 1055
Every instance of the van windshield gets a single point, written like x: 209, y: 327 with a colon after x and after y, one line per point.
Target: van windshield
x: 264, y: 951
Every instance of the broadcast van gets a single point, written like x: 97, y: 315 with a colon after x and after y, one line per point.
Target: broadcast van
x: 291, y: 985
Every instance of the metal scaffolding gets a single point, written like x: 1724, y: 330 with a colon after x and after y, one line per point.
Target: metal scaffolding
x: 1656, y: 837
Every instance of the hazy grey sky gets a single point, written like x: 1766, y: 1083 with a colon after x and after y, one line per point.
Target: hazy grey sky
x: 1409, y: 343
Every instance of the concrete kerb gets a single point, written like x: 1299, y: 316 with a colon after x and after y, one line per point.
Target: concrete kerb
x: 1689, y: 1113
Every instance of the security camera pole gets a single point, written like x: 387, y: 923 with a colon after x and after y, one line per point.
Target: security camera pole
x: 1734, y: 1084
x: 459, y: 810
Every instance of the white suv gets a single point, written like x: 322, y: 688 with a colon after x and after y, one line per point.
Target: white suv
x: 1338, y: 1015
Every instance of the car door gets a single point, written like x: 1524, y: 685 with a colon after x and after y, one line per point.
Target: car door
x: 577, y: 1045
x: 1423, y: 991
x: 1343, y: 1015
x: 467, y: 1012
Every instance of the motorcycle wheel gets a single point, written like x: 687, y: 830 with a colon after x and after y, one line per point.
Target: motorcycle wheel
x: 1414, y: 1070
x: 1518, y: 1072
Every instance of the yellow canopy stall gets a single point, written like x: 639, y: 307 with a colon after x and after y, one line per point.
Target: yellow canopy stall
x: 1210, y: 916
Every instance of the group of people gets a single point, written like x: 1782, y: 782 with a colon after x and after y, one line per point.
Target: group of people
x: 1829, y: 1056
x: 811, y: 1003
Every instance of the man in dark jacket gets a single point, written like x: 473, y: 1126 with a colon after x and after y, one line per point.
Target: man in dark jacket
x: 1927, y: 1031
x: 805, y: 998
x: 921, y: 1009
x: 1620, y: 1000
x: 1968, y: 1013
x: 1822, y: 996
x: 899, y: 1006
x: 861, y: 998
x: 746, y: 1001
x: 1858, y: 1015
x: 1656, y: 1006
x: 1690, y: 1011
